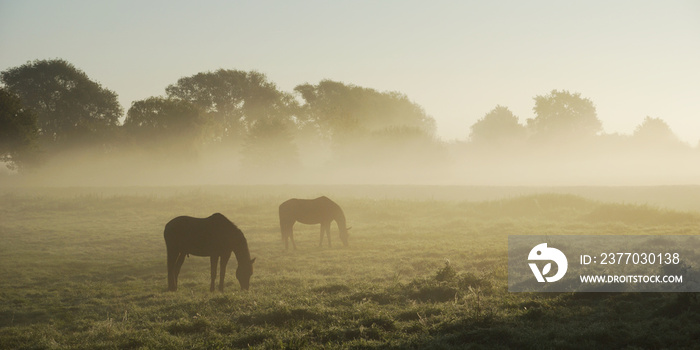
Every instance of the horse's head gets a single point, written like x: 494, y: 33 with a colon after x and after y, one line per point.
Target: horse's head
x: 344, y: 235
x: 243, y: 273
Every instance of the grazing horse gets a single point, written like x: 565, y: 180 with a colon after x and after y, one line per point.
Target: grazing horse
x: 215, y: 237
x: 311, y: 211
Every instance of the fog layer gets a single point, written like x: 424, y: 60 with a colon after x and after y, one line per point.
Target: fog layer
x: 236, y: 127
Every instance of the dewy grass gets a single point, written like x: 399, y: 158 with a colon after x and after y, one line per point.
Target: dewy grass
x: 88, y: 271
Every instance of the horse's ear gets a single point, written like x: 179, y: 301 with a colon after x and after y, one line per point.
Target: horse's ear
x: 252, y: 261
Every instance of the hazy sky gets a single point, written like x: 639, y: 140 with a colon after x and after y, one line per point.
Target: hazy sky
x: 457, y: 59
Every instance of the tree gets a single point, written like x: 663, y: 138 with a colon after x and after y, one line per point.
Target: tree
x: 233, y: 101
x: 498, y: 127
x: 365, y: 126
x: 18, y: 130
x: 655, y: 131
x: 564, y: 115
x: 70, y: 108
x: 340, y: 109
x: 164, y: 124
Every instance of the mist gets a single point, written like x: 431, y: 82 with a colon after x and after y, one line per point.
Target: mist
x: 371, y: 161
x: 237, y: 127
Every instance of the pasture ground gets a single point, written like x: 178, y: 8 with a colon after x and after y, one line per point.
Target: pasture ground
x: 85, y: 269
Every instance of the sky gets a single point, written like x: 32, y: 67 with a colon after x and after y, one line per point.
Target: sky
x: 457, y: 59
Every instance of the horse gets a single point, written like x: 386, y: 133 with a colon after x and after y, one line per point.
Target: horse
x: 215, y: 237
x: 321, y: 210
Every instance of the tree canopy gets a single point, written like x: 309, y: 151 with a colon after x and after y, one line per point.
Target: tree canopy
x: 562, y: 114
x: 158, y: 121
x: 233, y: 101
x: 497, y: 127
x: 69, y: 106
x: 18, y: 130
x: 339, y: 108
x: 654, y: 131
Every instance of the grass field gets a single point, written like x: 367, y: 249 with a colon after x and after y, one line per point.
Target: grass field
x: 85, y: 269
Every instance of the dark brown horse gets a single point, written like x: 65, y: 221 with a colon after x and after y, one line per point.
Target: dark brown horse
x: 215, y: 237
x: 311, y: 211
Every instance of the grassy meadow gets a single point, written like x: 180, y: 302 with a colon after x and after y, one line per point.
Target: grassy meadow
x: 86, y: 269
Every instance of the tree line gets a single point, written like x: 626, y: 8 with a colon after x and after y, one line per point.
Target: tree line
x: 564, y: 119
x: 49, y: 106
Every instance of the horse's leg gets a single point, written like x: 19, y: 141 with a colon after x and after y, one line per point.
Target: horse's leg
x: 326, y: 226
x: 286, y: 229
x: 320, y: 243
x: 283, y: 231
x: 214, y: 259
x: 289, y: 234
x: 224, y: 261
x: 178, y: 265
x: 172, y: 257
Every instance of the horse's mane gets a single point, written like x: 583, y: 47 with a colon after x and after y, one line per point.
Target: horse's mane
x: 241, y: 244
x: 220, y: 217
x: 240, y: 247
